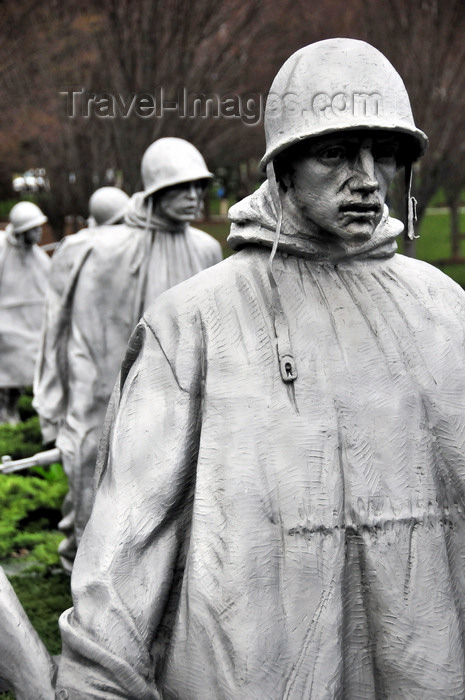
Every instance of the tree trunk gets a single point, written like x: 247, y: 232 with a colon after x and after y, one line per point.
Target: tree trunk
x: 410, y: 248
x: 454, y: 207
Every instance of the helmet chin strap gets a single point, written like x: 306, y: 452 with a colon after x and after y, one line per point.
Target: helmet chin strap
x: 286, y: 359
x: 410, y: 205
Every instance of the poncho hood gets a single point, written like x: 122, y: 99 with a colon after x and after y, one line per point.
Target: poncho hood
x: 17, y: 241
x: 139, y: 214
x: 253, y: 222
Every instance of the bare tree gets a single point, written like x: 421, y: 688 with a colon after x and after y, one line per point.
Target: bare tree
x: 424, y: 41
x: 124, y: 49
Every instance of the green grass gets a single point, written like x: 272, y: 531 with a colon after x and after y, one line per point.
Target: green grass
x: 220, y: 231
x: 434, y: 243
x: 44, y: 597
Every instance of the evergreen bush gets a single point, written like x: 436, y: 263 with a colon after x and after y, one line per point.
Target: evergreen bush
x: 30, y: 509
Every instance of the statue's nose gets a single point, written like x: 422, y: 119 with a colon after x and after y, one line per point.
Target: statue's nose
x: 364, y: 170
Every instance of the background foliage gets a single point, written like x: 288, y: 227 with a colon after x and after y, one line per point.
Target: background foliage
x: 122, y: 47
x: 30, y: 504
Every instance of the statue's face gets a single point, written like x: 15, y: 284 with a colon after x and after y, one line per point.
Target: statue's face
x: 32, y: 236
x: 341, y: 180
x: 180, y: 203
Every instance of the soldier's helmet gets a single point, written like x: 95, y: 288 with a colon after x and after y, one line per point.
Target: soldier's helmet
x: 107, y: 205
x: 25, y: 216
x: 334, y: 85
x: 171, y: 161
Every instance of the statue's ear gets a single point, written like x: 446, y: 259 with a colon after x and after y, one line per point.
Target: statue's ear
x: 285, y: 181
x: 283, y: 169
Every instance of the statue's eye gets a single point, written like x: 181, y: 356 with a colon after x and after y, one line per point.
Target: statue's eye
x: 333, y: 154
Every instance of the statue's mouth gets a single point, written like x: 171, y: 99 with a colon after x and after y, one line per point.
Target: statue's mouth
x: 362, y: 210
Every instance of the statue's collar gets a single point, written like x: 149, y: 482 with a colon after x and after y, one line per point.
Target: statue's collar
x: 253, y: 222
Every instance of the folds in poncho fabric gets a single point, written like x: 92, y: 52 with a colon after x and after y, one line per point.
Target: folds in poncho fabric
x: 252, y: 541
x: 115, y: 271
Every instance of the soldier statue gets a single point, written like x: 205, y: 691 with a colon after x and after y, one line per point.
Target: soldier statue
x: 24, y: 270
x: 119, y: 270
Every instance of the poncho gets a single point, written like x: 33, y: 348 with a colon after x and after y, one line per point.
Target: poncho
x: 253, y: 539
x: 50, y: 386
x: 116, y: 272
x: 23, y: 280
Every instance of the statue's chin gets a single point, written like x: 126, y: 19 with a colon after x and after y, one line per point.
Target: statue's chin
x: 363, y: 235
x: 356, y: 231
x: 352, y: 234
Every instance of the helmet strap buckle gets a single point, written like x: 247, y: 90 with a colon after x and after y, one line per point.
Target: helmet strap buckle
x: 410, y: 206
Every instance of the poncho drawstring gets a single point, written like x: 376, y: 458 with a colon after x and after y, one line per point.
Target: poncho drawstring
x: 286, y: 359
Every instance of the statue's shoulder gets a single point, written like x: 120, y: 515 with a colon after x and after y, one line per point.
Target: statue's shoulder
x: 426, y: 279
x: 220, y: 284
x: 108, y: 236
x: 41, y: 256
x: 422, y: 271
x: 113, y: 241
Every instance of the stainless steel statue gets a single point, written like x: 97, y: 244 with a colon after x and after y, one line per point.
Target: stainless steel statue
x: 24, y: 661
x: 113, y: 278
x: 280, y: 504
x: 107, y: 205
x: 24, y: 270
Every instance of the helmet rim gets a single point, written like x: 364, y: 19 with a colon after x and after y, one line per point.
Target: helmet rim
x: 417, y: 137
x: 318, y: 78
x: 30, y: 212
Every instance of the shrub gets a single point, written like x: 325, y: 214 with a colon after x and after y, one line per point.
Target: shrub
x: 29, y: 515
x: 30, y: 502
x: 22, y: 440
